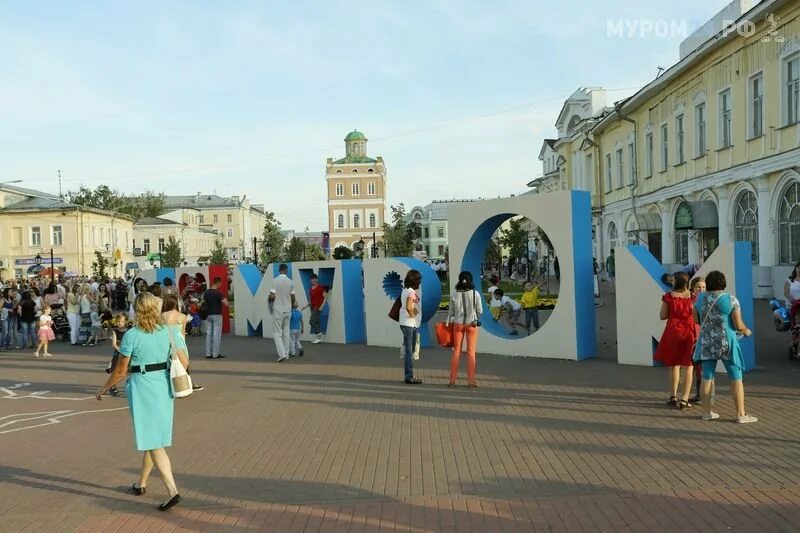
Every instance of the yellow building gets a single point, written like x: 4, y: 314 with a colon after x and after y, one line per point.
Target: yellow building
x: 706, y: 153
x: 34, y: 223
x: 356, y: 195
x: 151, y: 235
x: 234, y: 219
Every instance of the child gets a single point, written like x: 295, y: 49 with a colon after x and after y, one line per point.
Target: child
x: 194, y: 312
x: 297, y: 327
x: 509, y: 307
x: 530, y: 302
x: 45, y: 333
x: 120, y: 327
x: 106, y: 319
x: 97, y: 327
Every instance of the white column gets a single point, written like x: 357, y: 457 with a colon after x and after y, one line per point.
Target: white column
x: 766, y: 241
x: 667, y: 233
x: 724, y: 199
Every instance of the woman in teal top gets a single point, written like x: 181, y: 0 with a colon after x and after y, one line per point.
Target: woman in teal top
x: 720, y: 319
x: 145, y: 351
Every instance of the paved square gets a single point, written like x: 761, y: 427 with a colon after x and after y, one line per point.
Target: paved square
x: 336, y: 442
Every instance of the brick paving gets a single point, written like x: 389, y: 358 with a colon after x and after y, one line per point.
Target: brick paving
x: 335, y: 442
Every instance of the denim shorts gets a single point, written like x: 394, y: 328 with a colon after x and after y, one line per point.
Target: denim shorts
x: 734, y: 372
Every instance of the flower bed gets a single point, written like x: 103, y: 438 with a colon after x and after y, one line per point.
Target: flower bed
x: 546, y: 303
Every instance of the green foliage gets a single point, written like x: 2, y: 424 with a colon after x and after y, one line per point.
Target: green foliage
x: 219, y: 255
x: 99, y: 266
x: 296, y: 249
x: 272, y: 235
x: 146, y: 204
x: 515, y: 238
x: 172, y: 256
x: 314, y: 253
x: 399, y: 236
x: 494, y: 255
x: 342, y: 252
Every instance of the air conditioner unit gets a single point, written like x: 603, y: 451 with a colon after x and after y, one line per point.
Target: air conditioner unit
x: 3, y: 263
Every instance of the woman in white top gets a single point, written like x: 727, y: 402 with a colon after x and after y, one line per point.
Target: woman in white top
x: 410, y: 321
x: 74, y: 313
x: 465, y: 311
x: 791, y: 289
x: 85, y: 302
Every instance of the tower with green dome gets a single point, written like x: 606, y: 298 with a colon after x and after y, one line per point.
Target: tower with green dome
x: 356, y: 195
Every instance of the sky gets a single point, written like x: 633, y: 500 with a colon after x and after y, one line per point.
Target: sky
x: 250, y: 98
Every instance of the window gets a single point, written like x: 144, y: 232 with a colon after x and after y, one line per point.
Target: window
x: 372, y: 221
x: 679, y: 138
x: 631, y: 164
x: 230, y: 219
x: 161, y: 244
x: 340, y: 189
x: 612, y: 236
x: 756, y: 106
x: 36, y: 236
x: 648, y: 155
x: 426, y: 232
x: 371, y: 188
x: 441, y: 251
x: 340, y: 221
x: 371, y: 170
x: 664, y: 148
x: 725, y: 118
x: 146, y: 248
x: 216, y: 219
x: 356, y: 220
x: 440, y: 232
x: 745, y: 222
x: 700, y: 130
x: 356, y: 189
x: 339, y: 171
x: 789, y: 225
x: 201, y: 219
x: 355, y: 171
x: 682, y: 246
x: 608, y: 172
x: 791, y: 90
x: 620, y: 169
x: 56, y: 236
x: 230, y: 232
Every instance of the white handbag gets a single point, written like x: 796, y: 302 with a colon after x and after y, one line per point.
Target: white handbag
x: 180, y: 382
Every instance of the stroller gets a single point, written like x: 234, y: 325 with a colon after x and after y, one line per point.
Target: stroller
x: 788, y: 321
x: 60, y: 322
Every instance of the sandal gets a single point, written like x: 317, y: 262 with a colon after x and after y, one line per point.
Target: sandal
x: 673, y: 401
x: 684, y: 404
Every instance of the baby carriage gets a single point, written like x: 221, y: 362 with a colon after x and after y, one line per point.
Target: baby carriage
x: 788, y: 321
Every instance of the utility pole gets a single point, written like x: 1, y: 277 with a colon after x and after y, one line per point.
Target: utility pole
x: 60, y: 196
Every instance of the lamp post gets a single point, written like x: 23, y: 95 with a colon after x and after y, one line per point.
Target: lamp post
x: 38, y: 261
x: 360, y: 248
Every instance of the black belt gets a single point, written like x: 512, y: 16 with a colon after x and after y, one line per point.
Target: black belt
x: 148, y: 368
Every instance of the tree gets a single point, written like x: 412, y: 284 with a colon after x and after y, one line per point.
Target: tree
x: 342, y: 252
x: 314, y: 253
x: 219, y: 255
x: 273, y: 237
x: 99, y: 266
x: 494, y: 256
x: 515, y: 238
x: 399, y: 236
x: 146, y: 204
x: 172, y: 256
x: 296, y: 249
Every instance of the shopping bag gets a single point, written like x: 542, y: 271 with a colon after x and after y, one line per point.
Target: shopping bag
x: 180, y: 383
x: 444, y: 334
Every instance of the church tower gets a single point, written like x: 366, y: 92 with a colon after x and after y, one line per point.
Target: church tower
x: 356, y: 195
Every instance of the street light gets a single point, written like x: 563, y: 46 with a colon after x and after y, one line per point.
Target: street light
x: 38, y: 260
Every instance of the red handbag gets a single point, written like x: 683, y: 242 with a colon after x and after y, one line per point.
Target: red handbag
x: 444, y: 334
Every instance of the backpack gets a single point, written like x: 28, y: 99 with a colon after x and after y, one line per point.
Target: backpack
x: 394, y: 312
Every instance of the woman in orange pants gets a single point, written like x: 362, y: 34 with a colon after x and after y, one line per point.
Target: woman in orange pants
x: 465, y: 311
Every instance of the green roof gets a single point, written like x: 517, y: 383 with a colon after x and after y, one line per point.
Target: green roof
x: 355, y: 135
x: 351, y: 159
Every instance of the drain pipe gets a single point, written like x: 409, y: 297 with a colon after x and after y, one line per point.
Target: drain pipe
x: 598, y: 184
x: 634, y: 167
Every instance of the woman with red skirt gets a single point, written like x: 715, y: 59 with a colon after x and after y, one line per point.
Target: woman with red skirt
x: 676, y: 347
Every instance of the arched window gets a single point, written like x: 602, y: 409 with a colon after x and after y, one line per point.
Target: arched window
x: 683, y: 220
x: 372, y: 220
x: 632, y: 231
x: 371, y: 170
x: 356, y: 220
x: 612, y: 236
x: 789, y: 225
x: 340, y: 221
x: 355, y: 171
x: 339, y: 171
x: 745, y: 222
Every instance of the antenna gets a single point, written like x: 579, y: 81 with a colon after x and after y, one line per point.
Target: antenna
x: 60, y: 196
x: 660, y: 71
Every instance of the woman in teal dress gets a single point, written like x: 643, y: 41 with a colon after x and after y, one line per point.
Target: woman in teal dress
x: 145, y: 352
x: 720, y: 319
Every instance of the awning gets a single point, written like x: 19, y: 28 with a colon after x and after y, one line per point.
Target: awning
x: 35, y: 269
x: 131, y: 266
x: 697, y: 215
x: 648, y: 222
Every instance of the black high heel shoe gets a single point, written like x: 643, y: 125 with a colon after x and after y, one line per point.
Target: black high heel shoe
x: 175, y: 500
x: 139, y: 491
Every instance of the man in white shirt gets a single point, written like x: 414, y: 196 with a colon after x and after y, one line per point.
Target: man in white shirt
x: 281, y: 302
x: 509, y: 308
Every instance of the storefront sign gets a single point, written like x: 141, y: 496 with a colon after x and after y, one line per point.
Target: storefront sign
x: 32, y: 261
x: 683, y: 218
